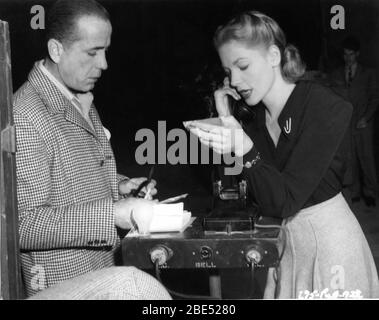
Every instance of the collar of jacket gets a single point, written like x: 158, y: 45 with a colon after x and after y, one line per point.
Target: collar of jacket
x: 56, y: 101
x: 290, y: 117
x: 340, y: 73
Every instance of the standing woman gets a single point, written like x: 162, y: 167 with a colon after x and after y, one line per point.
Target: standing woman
x: 294, y: 157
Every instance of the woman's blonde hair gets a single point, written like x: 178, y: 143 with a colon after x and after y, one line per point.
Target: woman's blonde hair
x: 255, y: 28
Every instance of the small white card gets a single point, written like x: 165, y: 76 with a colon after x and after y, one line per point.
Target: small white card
x: 167, y: 218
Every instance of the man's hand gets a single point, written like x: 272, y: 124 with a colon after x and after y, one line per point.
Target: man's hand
x: 362, y: 123
x: 132, y: 211
x: 126, y: 187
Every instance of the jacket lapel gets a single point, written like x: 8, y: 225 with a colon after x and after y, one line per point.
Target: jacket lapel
x: 99, y: 129
x: 289, y: 121
x: 106, y: 149
x: 73, y: 115
x: 358, y: 74
x: 55, y: 101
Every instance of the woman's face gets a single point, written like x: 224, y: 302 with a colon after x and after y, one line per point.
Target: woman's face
x: 250, y: 70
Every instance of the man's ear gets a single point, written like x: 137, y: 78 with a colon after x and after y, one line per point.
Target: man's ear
x: 55, y: 50
x: 274, y: 55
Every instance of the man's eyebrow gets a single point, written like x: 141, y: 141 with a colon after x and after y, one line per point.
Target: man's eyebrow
x: 237, y: 60
x: 97, y: 48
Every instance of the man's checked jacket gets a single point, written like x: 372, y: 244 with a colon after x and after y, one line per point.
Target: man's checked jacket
x: 66, y: 186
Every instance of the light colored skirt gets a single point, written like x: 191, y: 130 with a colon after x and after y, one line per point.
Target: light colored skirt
x: 325, y: 255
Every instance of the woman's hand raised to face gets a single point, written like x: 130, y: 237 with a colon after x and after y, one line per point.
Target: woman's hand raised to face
x: 227, y: 138
x: 221, y: 98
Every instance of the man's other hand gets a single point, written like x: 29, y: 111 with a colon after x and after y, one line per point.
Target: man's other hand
x: 126, y: 187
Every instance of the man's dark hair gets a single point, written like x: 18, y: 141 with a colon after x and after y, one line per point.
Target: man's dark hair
x: 63, y: 15
x: 351, y: 43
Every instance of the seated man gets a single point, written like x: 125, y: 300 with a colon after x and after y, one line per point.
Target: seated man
x: 70, y: 197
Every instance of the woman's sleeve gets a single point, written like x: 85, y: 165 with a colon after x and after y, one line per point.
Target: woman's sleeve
x: 283, y: 193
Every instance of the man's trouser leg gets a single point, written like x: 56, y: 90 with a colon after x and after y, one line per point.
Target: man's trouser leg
x: 114, y: 283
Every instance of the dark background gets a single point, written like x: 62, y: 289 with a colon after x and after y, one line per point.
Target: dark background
x: 162, y: 51
x: 159, y: 64
x: 159, y: 51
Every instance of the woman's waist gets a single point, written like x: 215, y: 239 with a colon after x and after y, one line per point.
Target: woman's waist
x: 327, y: 206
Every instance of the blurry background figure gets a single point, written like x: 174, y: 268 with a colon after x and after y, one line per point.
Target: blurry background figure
x: 357, y: 84
x: 114, y: 283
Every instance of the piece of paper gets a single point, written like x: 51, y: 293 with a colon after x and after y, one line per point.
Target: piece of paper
x: 213, y: 122
x: 167, y: 218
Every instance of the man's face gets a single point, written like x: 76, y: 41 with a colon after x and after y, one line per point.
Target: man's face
x: 82, y: 61
x: 350, y: 56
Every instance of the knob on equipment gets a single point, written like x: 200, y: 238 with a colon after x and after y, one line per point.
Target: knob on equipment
x: 205, y: 252
x: 253, y: 256
x: 160, y: 254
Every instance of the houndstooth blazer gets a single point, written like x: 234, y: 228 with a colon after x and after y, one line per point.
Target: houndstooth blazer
x: 66, y: 186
